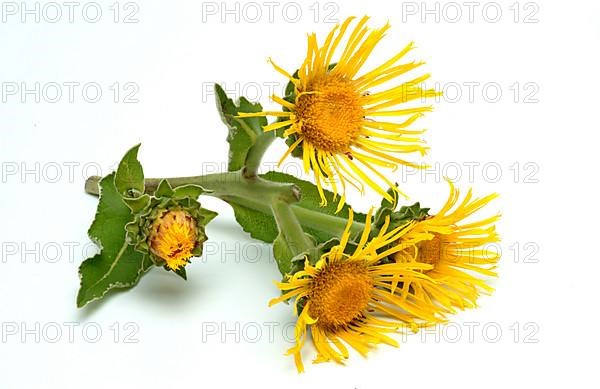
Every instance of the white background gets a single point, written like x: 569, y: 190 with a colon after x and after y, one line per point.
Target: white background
x: 544, y: 304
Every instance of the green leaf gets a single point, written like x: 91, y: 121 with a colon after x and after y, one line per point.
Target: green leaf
x: 287, y: 262
x: 259, y: 225
x: 207, y: 215
x: 242, y: 131
x: 129, y: 178
x: 117, y: 265
x: 405, y: 214
x: 310, y: 195
x: 282, y: 254
x: 191, y: 191
x: 262, y: 226
x: 136, y: 204
x: 181, y: 272
x: 164, y: 189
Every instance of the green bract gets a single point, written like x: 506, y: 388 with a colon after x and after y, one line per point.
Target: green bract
x: 166, y: 199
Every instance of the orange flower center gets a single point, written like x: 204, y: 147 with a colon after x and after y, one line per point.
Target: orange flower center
x: 330, y: 113
x: 340, y: 293
x: 430, y: 251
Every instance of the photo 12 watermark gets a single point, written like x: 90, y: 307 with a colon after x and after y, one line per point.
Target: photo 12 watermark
x: 68, y: 332
x: 526, y: 92
x: 471, y: 172
x: 28, y: 252
x: 270, y: 12
x: 53, y: 92
x: 478, y: 332
x: 252, y: 91
x: 469, y: 12
x: 69, y: 12
x: 51, y: 172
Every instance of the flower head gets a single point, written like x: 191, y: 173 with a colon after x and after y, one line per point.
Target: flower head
x: 336, y: 119
x: 348, y: 299
x: 173, y: 237
x: 459, y: 252
x: 169, y: 226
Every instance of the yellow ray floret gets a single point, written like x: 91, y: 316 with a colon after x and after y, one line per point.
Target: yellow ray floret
x: 347, y: 299
x: 335, y: 117
x: 461, y: 253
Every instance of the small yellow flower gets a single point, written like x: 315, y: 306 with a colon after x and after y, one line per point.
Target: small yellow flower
x: 348, y: 299
x: 173, y: 238
x: 338, y: 117
x: 459, y: 252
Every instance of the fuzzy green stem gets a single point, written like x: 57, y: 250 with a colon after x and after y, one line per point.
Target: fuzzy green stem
x: 256, y: 153
x: 256, y: 194
x: 333, y: 225
x: 220, y: 185
x: 296, y: 240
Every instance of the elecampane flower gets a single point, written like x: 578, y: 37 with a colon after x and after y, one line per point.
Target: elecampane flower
x: 349, y: 299
x: 340, y: 123
x: 462, y: 254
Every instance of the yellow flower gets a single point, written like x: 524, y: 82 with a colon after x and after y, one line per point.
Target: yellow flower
x: 339, y: 119
x: 173, y: 238
x: 347, y: 299
x: 460, y: 253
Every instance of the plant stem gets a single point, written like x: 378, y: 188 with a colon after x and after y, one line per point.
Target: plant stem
x: 256, y: 193
x: 222, y: 184
x: 256, y: 153
x: 296, y: 240
x: 332, y: 224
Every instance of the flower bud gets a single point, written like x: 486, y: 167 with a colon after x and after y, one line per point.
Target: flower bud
x: 170, y: 228
x: 173, y: 238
